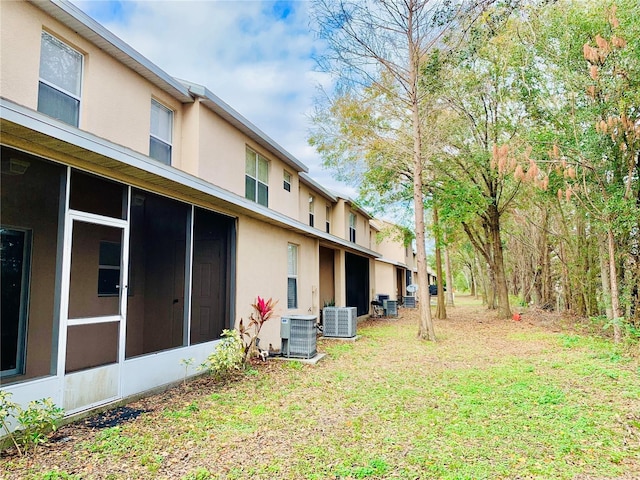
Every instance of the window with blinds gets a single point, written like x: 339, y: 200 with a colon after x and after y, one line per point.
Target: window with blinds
x: 292, y: 276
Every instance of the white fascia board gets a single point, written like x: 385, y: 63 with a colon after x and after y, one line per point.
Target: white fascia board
x: 392, y: 262
x: 356, y: 207
x: 74, y: 18
x: 224, y: 110
x: 316, y: 187
x: 53, y: 128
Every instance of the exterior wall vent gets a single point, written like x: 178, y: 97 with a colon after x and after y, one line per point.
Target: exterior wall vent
x: 339, y: 322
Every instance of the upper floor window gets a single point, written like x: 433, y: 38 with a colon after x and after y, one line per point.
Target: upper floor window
x: 257, y: 178
x: 312, y: 203
x: 60, y: 80
x: 327, y: 222
x: 160, y: 139
x: 287, y: 181
x: 352, y: 227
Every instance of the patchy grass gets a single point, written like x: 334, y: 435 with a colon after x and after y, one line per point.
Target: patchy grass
x: 491, y: 399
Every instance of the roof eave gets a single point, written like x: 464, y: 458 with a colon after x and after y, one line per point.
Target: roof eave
x: 30, y: 120
x: 316, y: 187
x: 225, y: 111
x: 74, y: 18
x: 356, y: 207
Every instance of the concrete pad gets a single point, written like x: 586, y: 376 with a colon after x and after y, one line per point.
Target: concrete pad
x: 308, y: 361
x: 344, y: 339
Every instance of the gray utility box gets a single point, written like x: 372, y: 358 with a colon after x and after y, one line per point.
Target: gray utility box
x: 340, y: 322
x: 298, y: 336
x: 409, y: 302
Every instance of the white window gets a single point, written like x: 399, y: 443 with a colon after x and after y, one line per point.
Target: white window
x: 287, y: 181
x: 312, y: 203
x: 327, y: 219
x: 160, y: 140
x: 352, y: 227
x: 257, y: 178
x: 60, y: 80
x: 292, y: 276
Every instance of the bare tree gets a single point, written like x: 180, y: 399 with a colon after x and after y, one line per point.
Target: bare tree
x: 383, y: 44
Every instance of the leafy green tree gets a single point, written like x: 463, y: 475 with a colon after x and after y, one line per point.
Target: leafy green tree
x: 477, y: 184
x: 591, y: 57
x: 376, y: 48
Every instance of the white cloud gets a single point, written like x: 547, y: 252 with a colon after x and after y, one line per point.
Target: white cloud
x: 254, y: 55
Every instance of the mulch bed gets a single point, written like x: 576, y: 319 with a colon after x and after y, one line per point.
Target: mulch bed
x: 112, y: 418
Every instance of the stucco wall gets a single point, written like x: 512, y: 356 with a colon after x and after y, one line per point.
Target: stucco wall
x: 279, y: 198
x: 389, y: 246
x: 20, y: 27
x: 115, y: 101
x: 385, y: 279
x: 303, y: 205
x: 221, y: 157
x: 340, y: 224
x: 262, y: 270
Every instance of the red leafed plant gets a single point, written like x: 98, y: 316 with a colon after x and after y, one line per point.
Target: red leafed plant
x: 263, y: 311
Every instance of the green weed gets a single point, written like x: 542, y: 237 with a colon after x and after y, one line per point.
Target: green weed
x: 338, y: 349
x: 59, y: 475
x: 199, y: 474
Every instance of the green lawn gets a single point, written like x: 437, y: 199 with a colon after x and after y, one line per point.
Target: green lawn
x: 491, y: 399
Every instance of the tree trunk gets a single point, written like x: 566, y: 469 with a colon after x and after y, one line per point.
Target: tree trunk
x: 449, y: 276
x: 615, y: 297
x: 484, y: 280
x: 500, y: 279
x: 425, y: 327
x: 492, y: 301
x: 545, y: 259
x: 473, y: 282
x: 441, y: 309
x: 579, y: 300
x: 566, y: 284
x: 604, y: 277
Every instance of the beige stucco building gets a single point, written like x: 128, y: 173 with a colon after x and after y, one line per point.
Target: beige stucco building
x: 141, y: 215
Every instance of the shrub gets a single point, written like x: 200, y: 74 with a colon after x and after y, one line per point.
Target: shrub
x: 227, y: 357
x: 36, y: 421
x: 263, y: 311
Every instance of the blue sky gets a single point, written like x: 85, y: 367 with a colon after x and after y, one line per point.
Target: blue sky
x: 255, y: 55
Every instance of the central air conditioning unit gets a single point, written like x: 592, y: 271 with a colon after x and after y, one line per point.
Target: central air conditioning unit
x: 410, y: 301
x: 339, y: 322
x: 390, y: 308
x: 298, y: 336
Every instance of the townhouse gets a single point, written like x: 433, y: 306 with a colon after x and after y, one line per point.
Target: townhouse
x: 141, y: 215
